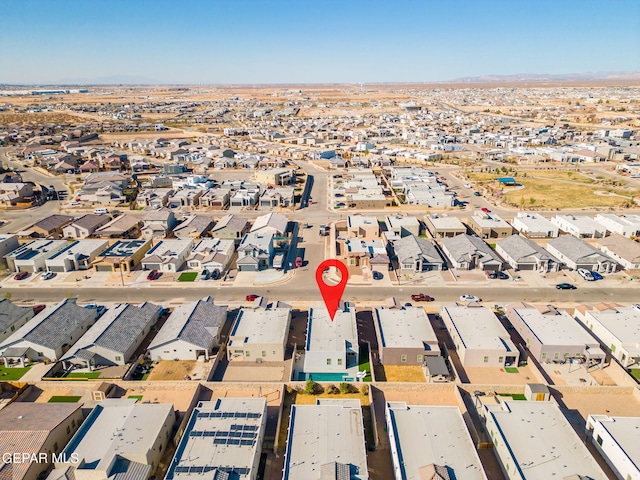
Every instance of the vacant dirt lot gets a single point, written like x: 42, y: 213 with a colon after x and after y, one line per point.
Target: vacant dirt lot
x: 178, y: 369
x: 399, y: 373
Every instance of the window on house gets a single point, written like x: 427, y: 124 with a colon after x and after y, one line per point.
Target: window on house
x: 500, y: 359
x: 247, y: 353
x: 264, y: 353
x: 403, y: 358
x: 339, y: 361
x: 328, y: 361
x: 613, y: 348
x: 555, y: 356
x: 118, y: 358
x: 486, y: 359
x: 419, y: 358
x: 599, y: 440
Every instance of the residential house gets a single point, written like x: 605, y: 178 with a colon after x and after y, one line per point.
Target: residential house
x: 192, y: 331
x: 122, y: 256
x: 114, y: 338
x: 277, y: 197
x: 580, y: 226
x: 443, y: 226
x: 85, y: 226
x: 8, y: 243
x: 168, y: 255
x: 625, y: 225
x: 50, y: 226
x: 230, y: 227
x: 416, y: 254
x: 154, y: 197
x: 48, y: 335
x: 122, y: 226
x: 16, y: 194
x: 273, y: 223
x: 534, y: 225
x: 78, y: 255
x: 32, y: 256
x: 359, y: 226
x: 576, y: 253
x: 259, y: 335
x: 623, y: 250
x: 212, y: 255
x: 615, y: 438
x: 402, y: 226
x: 158, y: 223
x: 194, y: 226
x: 524, y: 254
x: 486, y: 226
x: 467, y: 252
x: 216, y: 199
x: 12, y: 317
x: 255, y: 252
x: 274, y: 176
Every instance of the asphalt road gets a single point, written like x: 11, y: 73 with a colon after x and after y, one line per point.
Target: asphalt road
x: 297, y: 291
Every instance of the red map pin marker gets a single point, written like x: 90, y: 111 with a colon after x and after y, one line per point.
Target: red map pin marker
x: 332, y: 294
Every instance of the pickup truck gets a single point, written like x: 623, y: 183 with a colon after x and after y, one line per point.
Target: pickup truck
x: 421, y: 297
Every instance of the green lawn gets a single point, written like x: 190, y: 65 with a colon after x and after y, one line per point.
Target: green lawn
x: 83, y: 375
x: 511, y: 369
x: 635, y: 373
x: 363, y: 363
x: 11, y: 374
x: 188, y: 276
x: 65, y: 399
x: 137, y: 397
x: 514, y: 396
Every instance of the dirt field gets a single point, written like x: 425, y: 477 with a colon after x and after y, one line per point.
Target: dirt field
x: 171, y: 370
x: 399, y: 373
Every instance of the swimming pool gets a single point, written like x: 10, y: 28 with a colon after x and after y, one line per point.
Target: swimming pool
x: 324, y: 377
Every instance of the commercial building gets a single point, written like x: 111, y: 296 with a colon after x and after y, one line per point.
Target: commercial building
x: 430, y: 442
x: 223, y: 439
x: 32, y: 256
x: 326, y: 440
x: 479, y: 337
x: 331, y: 346
x: 616, y: 438
x: 441, y: 227
x: 114, y: 338
x: 120, y: 438
x: 405, y: 336
x: 49, y: 334
x: 259, y: 335
x: 534, y: 225
x: 576, y: 253
x: 38, y: 429
x: 122, y: 256
x: 617, y: 328
x: 191, y: 331
x: 625, y: 225
x: 168, y: 255
x: 524, y: 254
x: 78, y: 255
x: 12, y: 317
x: 552, y: 335
x: 489, y: 225
x: 467, y: 252
x: 579, y: 226
x: 557, y: 451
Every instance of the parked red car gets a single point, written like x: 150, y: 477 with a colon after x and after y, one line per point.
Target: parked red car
x: 153, y: 274
x: 38, y: 308
x: 485, y: 210
x: 252, y: 297
x: 421, y: 297
x: 21, y: 276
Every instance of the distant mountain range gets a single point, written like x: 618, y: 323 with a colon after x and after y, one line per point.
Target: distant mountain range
x: 537, y: 77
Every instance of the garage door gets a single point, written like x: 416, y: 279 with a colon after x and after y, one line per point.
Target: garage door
x: 57, y: 269
x: 529, y: 266
x: 103, y: 268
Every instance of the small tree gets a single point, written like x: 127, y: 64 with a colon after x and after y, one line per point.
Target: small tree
x: 344, y: 387
x: 309, y: 387
x: 364, y: 389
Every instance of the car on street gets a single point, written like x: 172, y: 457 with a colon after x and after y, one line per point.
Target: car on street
x: 565, y: 286
x: 485, y: 210
x: 153, y: 274
x: 467, y: 185
x: 38, y: 308
x: 252, y: 297
x: 378, y: 276
x: 74, y: 203
x: 469, y: 298
x: 502, y: 275
x: 100, y: 309
x: 48, y: 275
x: 21, y: 275
x: 421, y: 297
x: 596, y: 275
x: 476, y: 194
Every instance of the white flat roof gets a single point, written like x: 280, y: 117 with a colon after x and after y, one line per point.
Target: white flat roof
x: 560, y: 329
x: 326, y: 335
x: 436, y: 435
x: 541, y: 441
x: 117, y: 427
x: 623, y: 323
x: 446, y: 222
x: 225, y: 433
x: 625, y: 431
x: 535, y: 221
x: 323, y: 434
x: 489, y: 220
x: 262, y: 325
x: 407, y: 327
x: 479, y: 328
x: 362, y: 221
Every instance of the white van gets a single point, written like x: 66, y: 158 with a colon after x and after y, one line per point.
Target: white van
x: 101, y: 211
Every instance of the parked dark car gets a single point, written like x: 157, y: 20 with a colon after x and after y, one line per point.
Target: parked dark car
x: 596, y: 275
x: 378, y: 276
x: 38, y: 308
x: 502, y: 276
x: 565, y: 286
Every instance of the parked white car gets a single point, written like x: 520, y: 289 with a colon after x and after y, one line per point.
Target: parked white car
x: 586, y: 274
x: 469, y: 298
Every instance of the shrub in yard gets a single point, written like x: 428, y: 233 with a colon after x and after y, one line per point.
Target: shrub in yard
x: 345, y: 387
x: 332, y: 390
x: 364, y: 389
x: 310, y: 387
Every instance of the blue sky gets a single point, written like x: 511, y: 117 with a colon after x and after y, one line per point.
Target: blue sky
x: 287, y: 41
